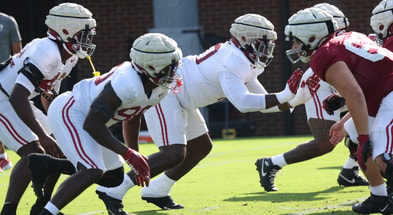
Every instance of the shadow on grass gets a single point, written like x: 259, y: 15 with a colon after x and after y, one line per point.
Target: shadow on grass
x: 284, y: 197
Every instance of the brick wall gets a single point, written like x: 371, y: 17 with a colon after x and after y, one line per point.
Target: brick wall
x: 119, y: 22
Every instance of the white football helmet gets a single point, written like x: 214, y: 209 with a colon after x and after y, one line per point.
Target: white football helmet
x: 382, y: 19
x: 338, y: 15
x: 158, y: 57
x: 310, y: 27
x: 74, y: 26
x: 255, y: 36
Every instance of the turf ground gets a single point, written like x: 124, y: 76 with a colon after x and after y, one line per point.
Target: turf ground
x: 226, y: 183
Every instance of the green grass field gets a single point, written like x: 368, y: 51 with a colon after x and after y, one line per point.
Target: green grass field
x: 226, y: 182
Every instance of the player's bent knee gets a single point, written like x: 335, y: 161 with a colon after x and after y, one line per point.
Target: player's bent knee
x: 112, y: 178
x: 173, y: 154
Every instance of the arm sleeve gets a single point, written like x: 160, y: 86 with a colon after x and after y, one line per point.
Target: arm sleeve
x: 255, y: 86
x: 239, y: 95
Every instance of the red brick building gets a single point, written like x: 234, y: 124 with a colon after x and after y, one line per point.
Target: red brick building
x: 120, y: 21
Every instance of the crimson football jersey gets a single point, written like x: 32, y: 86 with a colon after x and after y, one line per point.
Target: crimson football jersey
x: 371, y: 65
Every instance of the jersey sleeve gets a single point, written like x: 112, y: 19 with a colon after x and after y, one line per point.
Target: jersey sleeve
x: 237, y: 93
x: 126, y: 86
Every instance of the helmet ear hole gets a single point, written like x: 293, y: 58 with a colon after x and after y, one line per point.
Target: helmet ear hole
x: 244, y: 39
x: 311, y: 39
x: 381, y: 27
x: 151, y: 67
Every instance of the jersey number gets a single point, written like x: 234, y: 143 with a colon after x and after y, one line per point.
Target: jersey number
x: 365, y: 51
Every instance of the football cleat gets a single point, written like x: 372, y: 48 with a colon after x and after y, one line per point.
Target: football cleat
x: 351, y: 177
x: 39, y: 205
x: 5, y: 164
x: 39, y: 168
x: 165, y: 203
x: 267, y: 172
x: 113, y: 205
x: 374, y: 204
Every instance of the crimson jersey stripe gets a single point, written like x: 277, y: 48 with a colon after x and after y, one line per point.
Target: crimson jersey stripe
x: 318, y: 108
x: 74, y: 133
x: 7, y: 124
x: 389, y: 133
x: 164, y: 130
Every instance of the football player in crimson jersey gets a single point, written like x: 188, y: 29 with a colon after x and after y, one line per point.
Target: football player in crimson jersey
x: 319, y: 121
x: 226, y: 70
x: 83, y: 116
x: 349, y: 63
x: 38, y: 69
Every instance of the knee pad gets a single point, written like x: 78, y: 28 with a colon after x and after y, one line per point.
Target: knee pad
x: 112, y: 178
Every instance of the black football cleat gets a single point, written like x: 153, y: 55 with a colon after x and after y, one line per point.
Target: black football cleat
x: 165, y: 203
x: 351, y: 177
x: 374, y: 204
x: 113, y: 205
x: 267, y: 173
x: 39, y: 168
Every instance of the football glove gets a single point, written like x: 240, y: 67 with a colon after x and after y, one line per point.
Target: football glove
x: 291, y: 87
x: 139, y: 166
x: 364, y: 150
x: 333, y: 103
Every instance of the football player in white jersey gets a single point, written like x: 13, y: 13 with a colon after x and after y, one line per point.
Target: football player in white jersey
x: 319, y: 121
x: 83, y: 116
x: 38, y: 69
x: 226, y: 70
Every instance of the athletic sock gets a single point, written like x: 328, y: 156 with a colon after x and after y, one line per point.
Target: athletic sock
x: 119, y: 191
x: 379, y: 190
x: 3, y: 155
x: 350, y: 163
x: 52, y: 208
x: 158, y: 187
x: 279, y: 160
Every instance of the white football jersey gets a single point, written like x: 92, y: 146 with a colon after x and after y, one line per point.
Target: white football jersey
x: 128, y: 87
x: 45, y: 55
x: 222, y: 71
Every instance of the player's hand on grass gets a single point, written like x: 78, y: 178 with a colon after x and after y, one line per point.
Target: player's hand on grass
x: 139, y: 165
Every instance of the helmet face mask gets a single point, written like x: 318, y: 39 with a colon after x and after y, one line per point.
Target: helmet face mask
x: 297, y: 53
x: 168, y: 78
x: 82, y: 43
x: 262, y: 52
